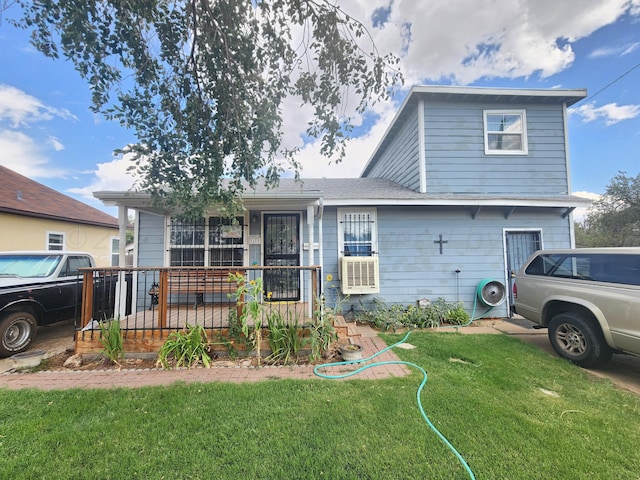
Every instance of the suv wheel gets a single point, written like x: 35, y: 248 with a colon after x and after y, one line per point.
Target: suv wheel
x: 578, y: 340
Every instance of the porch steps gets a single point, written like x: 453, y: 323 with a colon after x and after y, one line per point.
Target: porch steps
x: 344, y: 329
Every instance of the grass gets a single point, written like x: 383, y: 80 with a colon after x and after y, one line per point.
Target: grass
x: 512, y: 411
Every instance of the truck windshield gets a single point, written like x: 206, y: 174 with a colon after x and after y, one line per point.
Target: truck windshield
x: 28, y: 265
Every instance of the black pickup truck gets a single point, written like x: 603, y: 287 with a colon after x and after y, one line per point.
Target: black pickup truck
x: 37, y: 288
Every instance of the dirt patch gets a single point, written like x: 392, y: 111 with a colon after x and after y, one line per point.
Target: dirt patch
x: 99, y: 363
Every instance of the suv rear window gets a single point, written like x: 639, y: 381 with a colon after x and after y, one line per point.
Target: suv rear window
x: 609, y: 268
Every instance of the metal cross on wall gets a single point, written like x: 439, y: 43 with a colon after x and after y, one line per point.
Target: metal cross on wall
x: 441, y: 242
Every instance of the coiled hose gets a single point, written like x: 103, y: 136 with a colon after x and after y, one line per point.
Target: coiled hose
x: 317, y: 369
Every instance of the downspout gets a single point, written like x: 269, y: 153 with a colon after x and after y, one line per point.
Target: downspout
x: 572, y: 233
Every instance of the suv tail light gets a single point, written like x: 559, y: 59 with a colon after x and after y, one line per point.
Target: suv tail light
x: 515, y: 291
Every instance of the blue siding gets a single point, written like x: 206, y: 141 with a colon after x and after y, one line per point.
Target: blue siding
x: 400, y: 162
x: 411, y: 266
x: 456, y: 162
x: 151, y: 242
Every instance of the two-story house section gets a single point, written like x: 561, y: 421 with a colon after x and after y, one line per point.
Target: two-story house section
x: 463, y: 186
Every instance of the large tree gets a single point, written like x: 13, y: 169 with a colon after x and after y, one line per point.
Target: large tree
x: 614, y: 220
x: 202, y: 83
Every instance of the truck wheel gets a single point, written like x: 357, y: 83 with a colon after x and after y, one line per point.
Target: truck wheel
x: 578, y: 340
x: 17, y: 331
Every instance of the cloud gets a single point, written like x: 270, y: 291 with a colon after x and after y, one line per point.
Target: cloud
x: 108, y: 176
x: 611, y: 113
x: 25, y: 155
x: 503, y: 38
x: 580, y: 213
x: 20, y: 108
x: 617, y: 51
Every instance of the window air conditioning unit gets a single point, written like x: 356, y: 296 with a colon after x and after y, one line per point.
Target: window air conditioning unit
x: 360, y: 275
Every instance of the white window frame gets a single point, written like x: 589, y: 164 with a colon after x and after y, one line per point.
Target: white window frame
x: 206, y: 246
x: 374, y: 227
x: 523, y: 132
x: 61, y: 245
x: 115, y: 253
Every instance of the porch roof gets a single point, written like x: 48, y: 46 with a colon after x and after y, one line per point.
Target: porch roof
x: 359, y: 192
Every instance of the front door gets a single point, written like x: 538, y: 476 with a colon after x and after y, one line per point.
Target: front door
x: 519, y: 246
x: 282, y: 248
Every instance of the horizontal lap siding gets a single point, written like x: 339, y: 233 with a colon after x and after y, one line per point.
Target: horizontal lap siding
x: 151, y: 240
x: 400, y: 160
x: 456, y: 162
x: 412, y: 268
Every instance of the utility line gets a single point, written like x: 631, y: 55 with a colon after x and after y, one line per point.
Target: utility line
x: 608, y: 85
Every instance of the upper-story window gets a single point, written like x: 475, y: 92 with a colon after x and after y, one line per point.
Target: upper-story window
x: 357, y: 232
x: 505, y: 132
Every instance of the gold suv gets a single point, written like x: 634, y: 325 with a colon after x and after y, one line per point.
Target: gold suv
x: 588, y: 298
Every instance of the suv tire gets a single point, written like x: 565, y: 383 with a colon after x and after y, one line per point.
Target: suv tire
x: 578, y: 340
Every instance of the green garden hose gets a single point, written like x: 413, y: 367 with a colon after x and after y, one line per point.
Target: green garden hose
x: 418, y: 394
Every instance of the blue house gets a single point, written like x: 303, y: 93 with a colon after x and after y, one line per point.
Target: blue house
x: 465, y: 184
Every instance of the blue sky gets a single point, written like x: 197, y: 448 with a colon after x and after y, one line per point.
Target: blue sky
x: 48, y: 133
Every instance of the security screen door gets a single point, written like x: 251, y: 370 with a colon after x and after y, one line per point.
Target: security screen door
x: 520, y: 245
x: 282, y: 248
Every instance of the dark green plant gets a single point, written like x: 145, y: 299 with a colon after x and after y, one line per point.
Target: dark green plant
x: 285, y: 339
x: 395, y: 316
x: 112, y: 341
x: 186, y: 348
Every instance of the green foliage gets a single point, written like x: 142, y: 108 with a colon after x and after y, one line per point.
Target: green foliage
x: 251, y: 295
x: 203, y: 83
x: 614, y: 220
x: 392, y: 317
x: 285, y: 339
x: 112, y: 341
x: 321, y: 331
x: 512, y: 411
x: 186, y: 348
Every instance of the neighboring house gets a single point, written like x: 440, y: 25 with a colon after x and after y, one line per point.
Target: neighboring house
x: 35, y: 217
x: 464, y: 185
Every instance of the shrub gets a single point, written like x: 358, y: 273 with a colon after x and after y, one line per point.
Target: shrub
x: 186, y: 348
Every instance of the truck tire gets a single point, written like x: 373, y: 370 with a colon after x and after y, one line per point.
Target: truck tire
x: 17, y: 331
x: 578, y: 340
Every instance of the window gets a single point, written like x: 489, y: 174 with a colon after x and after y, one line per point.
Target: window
x: 505, y: 132
x: 215, y: 242
x: 614, y: 268
x: 55, y: 241
x: 357, y: 232
x: 115, y: 251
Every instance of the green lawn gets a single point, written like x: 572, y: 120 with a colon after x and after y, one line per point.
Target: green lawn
x: 511, y: 411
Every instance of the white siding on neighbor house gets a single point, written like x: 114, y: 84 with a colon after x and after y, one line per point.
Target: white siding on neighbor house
x: 400, y: 161
x: 456, y: 162
x: 412, y: 268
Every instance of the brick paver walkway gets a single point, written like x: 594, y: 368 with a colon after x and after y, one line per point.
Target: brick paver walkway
x: 140, y: 378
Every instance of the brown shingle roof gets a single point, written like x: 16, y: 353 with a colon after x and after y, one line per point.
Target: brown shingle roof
x: 22, y: 196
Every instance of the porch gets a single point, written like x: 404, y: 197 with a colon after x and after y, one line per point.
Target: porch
x: 151, y: 303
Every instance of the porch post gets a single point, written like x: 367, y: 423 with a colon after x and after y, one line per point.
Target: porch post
x: 311, y: 241
x: 121, y: 293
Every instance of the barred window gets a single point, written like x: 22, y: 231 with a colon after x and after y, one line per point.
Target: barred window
x: 357, y: 232
x: 216, y: 241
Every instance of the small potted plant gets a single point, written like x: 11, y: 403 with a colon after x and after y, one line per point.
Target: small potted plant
x: 351, y: 352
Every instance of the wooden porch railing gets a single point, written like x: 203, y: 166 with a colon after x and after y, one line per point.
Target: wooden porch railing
x: 152, y: 302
